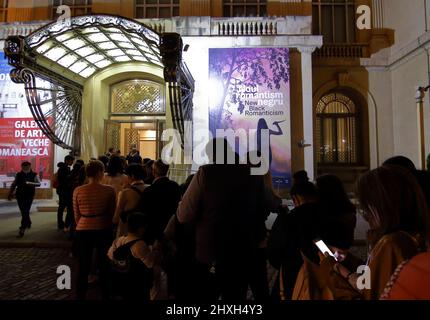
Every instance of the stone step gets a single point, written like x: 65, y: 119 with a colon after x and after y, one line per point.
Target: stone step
x: 47, y: 209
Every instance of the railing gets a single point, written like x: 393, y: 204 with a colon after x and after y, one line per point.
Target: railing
x: 353, y: 50
x: 247, y: 28
x: 255, y: 26
x: 159, y: 25
x: 17, y: 29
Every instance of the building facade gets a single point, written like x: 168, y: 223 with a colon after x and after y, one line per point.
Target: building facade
x: 352, y: 99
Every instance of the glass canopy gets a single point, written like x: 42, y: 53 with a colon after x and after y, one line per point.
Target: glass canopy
x: 54, y: 62
x: 87, y: 44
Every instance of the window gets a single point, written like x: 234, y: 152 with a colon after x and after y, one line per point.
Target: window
x: 3, y: 10
x: 137, y: 97
x: 336, y: 129
x: 148, y: 9
x: 77, y: 7
x: 335, y: 20
x: 245, y: 8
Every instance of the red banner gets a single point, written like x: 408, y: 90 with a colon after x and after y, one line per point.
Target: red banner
x: 22, y: 140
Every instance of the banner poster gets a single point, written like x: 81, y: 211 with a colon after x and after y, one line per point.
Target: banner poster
x: 20, y: 137
x: 250, y: 89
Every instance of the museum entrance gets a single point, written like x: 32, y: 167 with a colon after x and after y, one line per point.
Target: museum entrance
x: 137, y: 117
x: 123, y: 134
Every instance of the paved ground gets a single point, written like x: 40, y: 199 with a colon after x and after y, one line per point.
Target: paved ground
x: 31, y: 273
x: 28, y: 265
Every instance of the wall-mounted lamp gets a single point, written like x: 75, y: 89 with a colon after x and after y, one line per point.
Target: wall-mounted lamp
x: 419, y: 98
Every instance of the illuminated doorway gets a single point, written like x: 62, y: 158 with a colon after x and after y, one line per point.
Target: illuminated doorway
x: 137, y: 117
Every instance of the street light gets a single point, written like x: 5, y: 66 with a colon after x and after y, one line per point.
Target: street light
x: 419, y: 98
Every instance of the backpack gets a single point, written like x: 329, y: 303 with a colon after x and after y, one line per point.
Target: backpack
x: 122, y: 257
x: 124, y: 214
x: 54, y: 180
x: 130, y: 278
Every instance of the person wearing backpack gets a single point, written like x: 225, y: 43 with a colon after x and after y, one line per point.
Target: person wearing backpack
x: 132, y: 261
x: 129, y: 199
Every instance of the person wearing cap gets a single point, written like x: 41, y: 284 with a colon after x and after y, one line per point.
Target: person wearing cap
x: 25, y: 184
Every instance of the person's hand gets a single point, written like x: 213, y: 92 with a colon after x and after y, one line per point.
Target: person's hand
x: 327, y: 264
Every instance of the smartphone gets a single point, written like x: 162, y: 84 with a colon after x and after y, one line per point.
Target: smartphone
x: 324, y: 249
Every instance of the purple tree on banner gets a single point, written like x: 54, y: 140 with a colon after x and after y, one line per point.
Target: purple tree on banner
x: 234, y: 68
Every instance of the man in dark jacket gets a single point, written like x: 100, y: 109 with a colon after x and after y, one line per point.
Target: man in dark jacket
x: 25, y: 183
x: 160, y: 200
x: 65, y: 193
x: 227, y: 205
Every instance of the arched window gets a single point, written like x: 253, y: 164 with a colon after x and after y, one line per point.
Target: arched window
x: 337, y: 121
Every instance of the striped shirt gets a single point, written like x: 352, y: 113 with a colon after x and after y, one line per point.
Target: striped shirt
x: 94, y: 206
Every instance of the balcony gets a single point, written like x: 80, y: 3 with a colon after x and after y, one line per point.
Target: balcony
x: 345, y: 51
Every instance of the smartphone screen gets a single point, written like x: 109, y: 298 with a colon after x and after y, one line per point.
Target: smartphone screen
x: 324, y: 249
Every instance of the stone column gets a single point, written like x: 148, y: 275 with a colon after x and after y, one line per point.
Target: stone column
x: 308, y: 131
x: 377, y: 14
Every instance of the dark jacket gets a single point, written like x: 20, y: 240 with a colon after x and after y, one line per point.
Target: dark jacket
x: 160, y: 201
x: 227, y: 205
x: 293, y: 234
x: 22, y: 188
x: 65, y: 183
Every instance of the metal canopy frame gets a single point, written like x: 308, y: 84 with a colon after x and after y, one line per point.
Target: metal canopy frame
x: 54, y: 95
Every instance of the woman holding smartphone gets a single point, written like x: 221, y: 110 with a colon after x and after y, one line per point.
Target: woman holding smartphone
x: 395, y: 208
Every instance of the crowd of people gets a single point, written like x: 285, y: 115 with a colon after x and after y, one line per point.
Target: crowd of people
x: 146, y: 237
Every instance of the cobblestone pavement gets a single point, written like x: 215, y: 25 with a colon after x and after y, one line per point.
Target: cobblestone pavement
x: 30, y: 273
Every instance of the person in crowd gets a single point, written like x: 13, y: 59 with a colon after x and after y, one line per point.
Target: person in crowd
x: 411, y: 280
x: 133, y: 261
x: 258, y: 283
x: 159, y: 202
x: 160, y: 199
x: 340, y: 214
x: 130, y: 198
x: 225, y: 202
x: 179, y: 256
x: 300, y: 177
x: 423, y: 177
x: 114, y: 175
x: 65, y: 192
x: 395, y: 208
x: 110, y: 152
x: 94, y: 206
x: 134, y: 156
x: 149, y: 172
x: 80, y: 176
x: 25, y: 183
x: 292, y: 236
x: 105, y: 160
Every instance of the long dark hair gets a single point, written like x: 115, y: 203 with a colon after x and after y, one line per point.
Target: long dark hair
x: 393, y: 201
x: 332, y: 194
x: 115, y: 166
